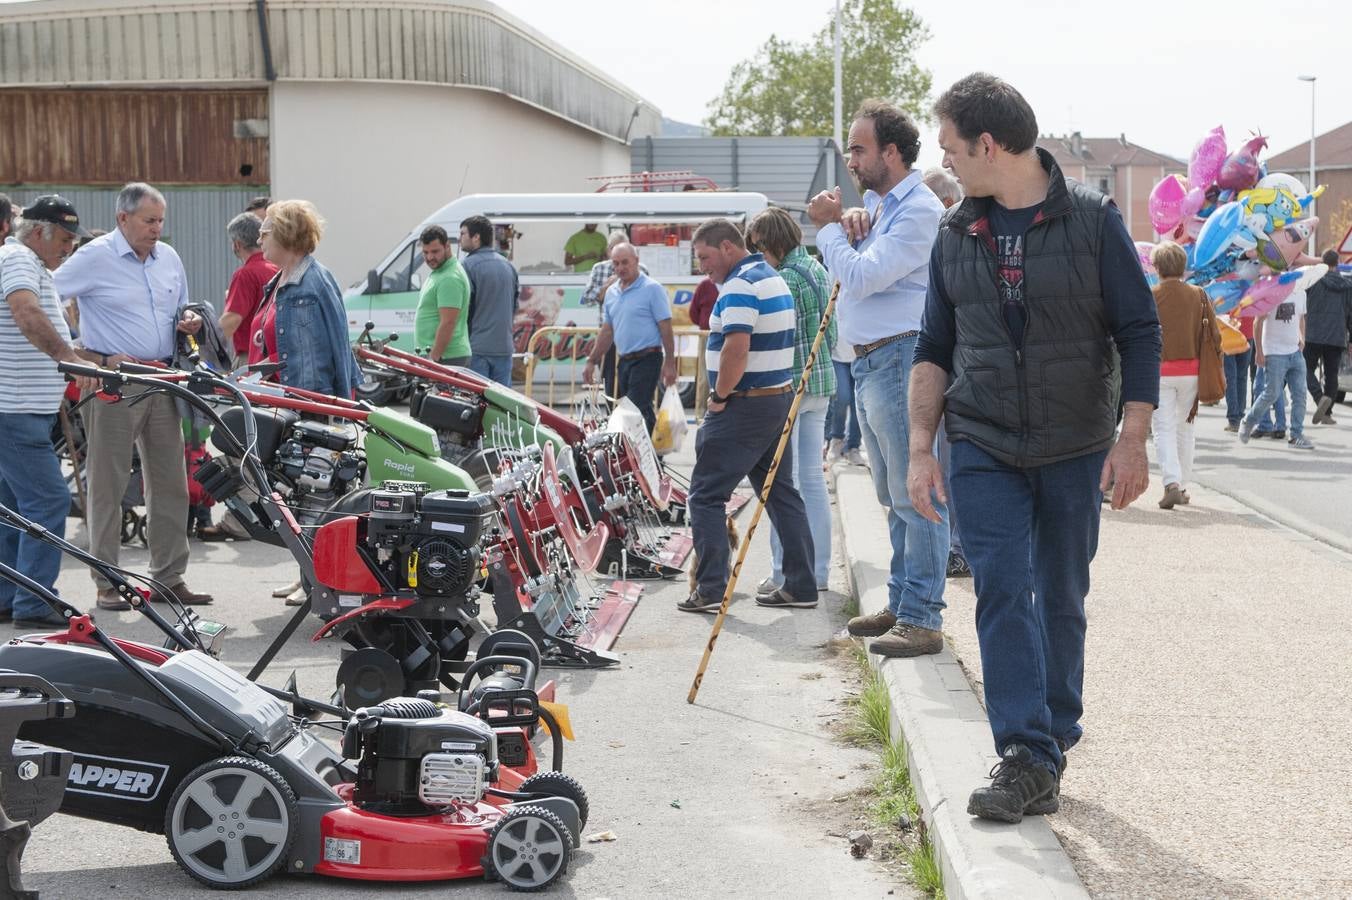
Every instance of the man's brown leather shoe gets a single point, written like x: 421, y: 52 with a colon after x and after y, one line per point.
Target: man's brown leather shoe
x: 112, y: 600
x: 877, y: 624
x: 185, y: 596
x: 908, y: 640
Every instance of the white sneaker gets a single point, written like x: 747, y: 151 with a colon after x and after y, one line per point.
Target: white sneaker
x: 855, y: 457
x: 834, y: 450
x: 768, y: 585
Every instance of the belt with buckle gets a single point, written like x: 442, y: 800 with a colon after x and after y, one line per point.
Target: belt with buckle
x: 862, y: 350
x: 764, y: 392
x: 637, y: 353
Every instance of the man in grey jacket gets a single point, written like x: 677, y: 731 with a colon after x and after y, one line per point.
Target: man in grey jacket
x: 494, y: 289
x: 1328, y: 322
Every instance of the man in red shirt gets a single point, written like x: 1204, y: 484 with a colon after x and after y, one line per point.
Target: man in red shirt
x: 246, y: 285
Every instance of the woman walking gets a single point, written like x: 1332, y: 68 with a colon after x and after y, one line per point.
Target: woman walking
x: 1184, y: 311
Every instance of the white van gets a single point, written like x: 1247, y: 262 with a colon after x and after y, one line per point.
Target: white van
x: 532, y: 230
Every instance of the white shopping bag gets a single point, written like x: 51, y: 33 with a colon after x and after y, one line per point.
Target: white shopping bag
x: 669, y: 431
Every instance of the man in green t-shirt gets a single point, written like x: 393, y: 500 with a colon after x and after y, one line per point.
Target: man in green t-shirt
x: 585, y: 249
x: 442, y: 322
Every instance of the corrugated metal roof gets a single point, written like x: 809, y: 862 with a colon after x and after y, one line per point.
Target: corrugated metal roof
x: 194, y: 224
x: 787, y: 170
x: 467, y: 43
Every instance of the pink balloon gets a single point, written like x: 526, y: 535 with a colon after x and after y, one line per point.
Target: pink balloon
x: 1207, y: 158
x: 1240, y: 171
x: 1194, y: 200
x: 1166, y: 202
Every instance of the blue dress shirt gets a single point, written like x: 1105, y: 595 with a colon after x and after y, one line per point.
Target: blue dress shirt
x: 126, y: 305
x: 883, y: 279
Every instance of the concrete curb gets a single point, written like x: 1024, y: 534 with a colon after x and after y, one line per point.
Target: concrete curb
x: 947, y: 737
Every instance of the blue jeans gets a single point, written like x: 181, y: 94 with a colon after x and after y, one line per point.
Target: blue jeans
x: 737, y: 443
x: 1285, y: 370
x: 843, y: 408
x: 31, y: 485
x: 811, y: 483
x: 1029, y: 536
x: 1237, y: 385
x: 1279, y: 408
x: 919, y: 547
x: 494, y: 368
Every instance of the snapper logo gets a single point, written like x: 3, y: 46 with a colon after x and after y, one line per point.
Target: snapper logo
x: 107, y: 776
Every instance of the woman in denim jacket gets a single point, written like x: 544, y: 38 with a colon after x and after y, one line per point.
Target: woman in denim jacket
x: 302, y: 323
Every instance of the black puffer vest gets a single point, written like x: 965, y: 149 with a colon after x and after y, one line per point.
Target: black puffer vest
x: 1056, y: 397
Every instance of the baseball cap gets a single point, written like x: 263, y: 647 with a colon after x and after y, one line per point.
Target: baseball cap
x: 58, y: 210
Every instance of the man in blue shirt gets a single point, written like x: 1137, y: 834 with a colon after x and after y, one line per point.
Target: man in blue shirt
x: 132, y: 290
x: 636, y: 317
x: 883, y: 278
x: 750, y: 362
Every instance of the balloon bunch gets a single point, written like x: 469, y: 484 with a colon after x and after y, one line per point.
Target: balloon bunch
x: 1243, y: 228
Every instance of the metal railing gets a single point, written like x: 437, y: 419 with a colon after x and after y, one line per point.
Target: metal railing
x: 564, y: 350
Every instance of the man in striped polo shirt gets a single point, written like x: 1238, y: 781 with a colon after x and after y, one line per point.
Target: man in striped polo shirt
x: 749, y: 358
x: 33, y: 336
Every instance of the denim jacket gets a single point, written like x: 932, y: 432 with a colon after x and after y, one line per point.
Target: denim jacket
x: 312, y: 344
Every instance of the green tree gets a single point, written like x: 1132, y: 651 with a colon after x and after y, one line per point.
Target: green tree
x: 788, y: 88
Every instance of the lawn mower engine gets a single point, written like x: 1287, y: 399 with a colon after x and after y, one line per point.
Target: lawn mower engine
x: 457, y: 416
x: 415, y: 758
x: 428, y: 542
x: 311, y: 464
x: 405, y: 588
x: 322, y: 461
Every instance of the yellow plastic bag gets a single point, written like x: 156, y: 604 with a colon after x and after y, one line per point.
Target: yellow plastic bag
x: 669, y: 430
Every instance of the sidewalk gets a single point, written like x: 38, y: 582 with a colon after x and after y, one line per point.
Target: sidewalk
x: 1215, y: 756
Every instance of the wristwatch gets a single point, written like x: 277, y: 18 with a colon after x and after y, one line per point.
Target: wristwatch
x: 715, y: 398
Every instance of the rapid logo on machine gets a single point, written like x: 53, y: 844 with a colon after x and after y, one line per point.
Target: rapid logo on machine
x: 107, y: 776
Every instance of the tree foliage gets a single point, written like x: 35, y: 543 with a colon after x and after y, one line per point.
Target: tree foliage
x: 788, y: 88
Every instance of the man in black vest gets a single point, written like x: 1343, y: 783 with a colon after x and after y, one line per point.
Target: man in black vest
x: 1033, y: 281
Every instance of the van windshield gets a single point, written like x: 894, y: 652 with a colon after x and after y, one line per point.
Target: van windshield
x: 543, y: 246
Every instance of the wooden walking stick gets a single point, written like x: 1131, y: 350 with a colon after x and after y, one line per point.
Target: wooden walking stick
x: 765, y: 492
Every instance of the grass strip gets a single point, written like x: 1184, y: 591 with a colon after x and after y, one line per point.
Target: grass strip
x: 894, y: 805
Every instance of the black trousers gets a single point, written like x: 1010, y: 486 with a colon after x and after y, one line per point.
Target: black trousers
x: 1329, y: 355
x: 638, y: 378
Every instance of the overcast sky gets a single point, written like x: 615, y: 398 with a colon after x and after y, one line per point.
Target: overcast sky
x: 1099, y: 68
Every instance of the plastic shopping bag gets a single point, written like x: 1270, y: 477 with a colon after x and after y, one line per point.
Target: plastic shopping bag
x: 669, y: 430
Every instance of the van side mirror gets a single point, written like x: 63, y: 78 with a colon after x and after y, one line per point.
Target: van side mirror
x: 373, y: 282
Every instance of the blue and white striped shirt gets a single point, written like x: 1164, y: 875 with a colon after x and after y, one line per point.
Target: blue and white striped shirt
x: 754, y: 299
x: 29, y: 381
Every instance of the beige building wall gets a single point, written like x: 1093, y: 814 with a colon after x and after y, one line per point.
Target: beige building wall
x: 376, y: 158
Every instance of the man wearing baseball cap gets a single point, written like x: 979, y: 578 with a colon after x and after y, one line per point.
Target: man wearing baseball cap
x: 33, y: 338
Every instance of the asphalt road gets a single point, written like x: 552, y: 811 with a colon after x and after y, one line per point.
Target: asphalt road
x: 721, y: 799
x: 1308, y: 490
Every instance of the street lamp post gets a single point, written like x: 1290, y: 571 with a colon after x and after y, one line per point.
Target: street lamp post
x: 1311, y: 80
